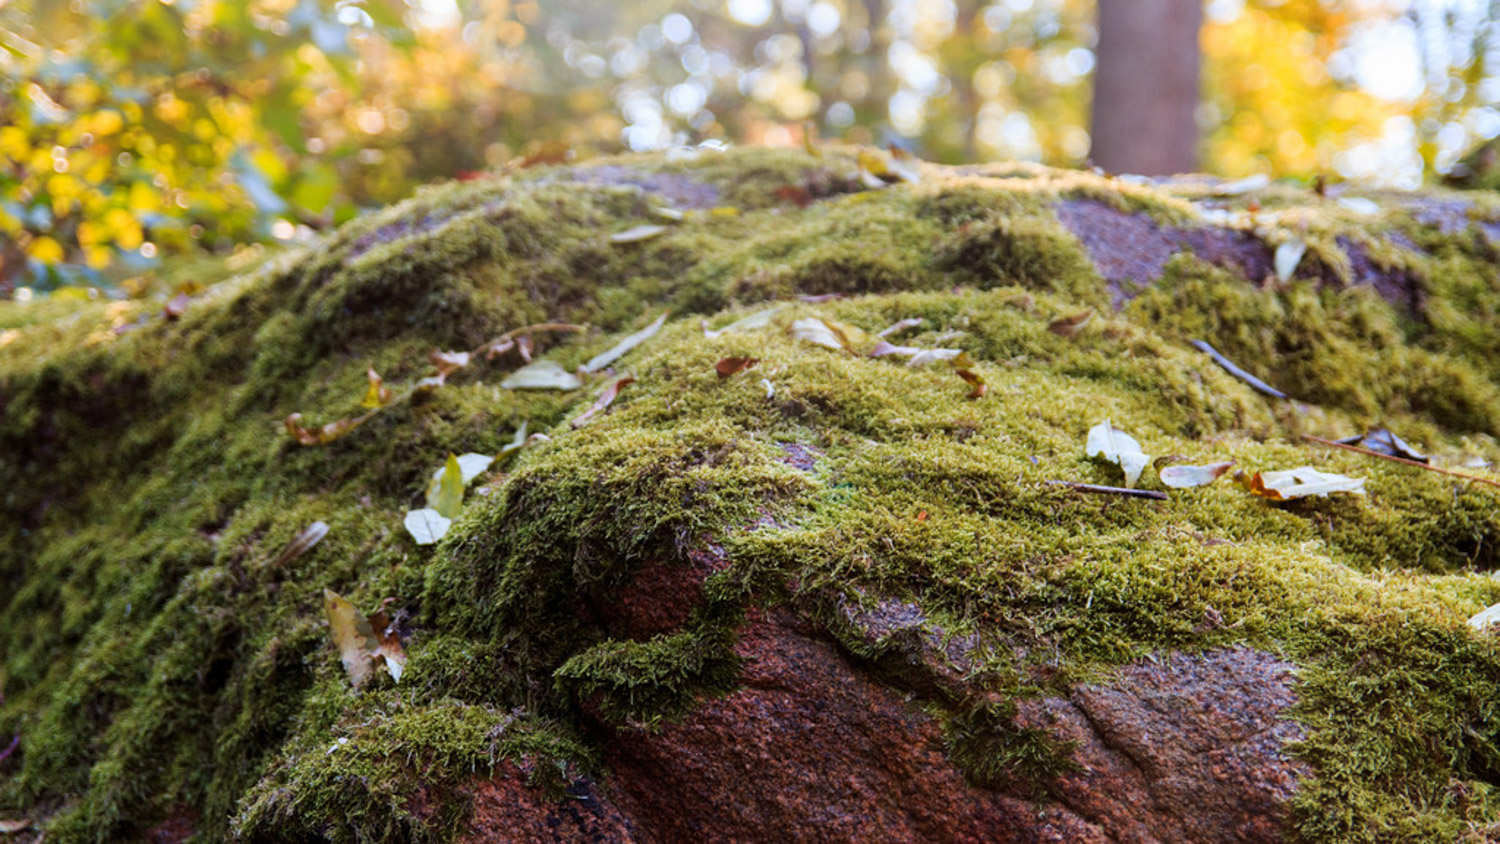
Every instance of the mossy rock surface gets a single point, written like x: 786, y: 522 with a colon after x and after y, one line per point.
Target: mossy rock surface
x: 830, y: 592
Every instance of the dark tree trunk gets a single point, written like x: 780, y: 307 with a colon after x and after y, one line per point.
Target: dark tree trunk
x: 1146, y: 86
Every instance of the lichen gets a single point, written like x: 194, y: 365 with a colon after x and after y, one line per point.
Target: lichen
x: 160, y: 653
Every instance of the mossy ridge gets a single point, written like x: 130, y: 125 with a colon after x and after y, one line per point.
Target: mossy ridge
x: 202, y: 490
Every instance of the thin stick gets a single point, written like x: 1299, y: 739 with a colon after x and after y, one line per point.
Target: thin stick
x: 1391, y: 457
x: 1112, y: 490
x: 1241, y: 374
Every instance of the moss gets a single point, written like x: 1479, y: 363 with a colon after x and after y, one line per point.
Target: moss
x: 162, y: 653
x: 645, y: 682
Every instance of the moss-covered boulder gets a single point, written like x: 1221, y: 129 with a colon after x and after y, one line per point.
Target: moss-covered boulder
x: 829, y: 595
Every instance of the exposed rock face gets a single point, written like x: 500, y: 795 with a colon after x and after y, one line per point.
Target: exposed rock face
x: 1182, y: 748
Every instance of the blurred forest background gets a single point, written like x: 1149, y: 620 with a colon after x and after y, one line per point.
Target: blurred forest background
x: 131, y: 130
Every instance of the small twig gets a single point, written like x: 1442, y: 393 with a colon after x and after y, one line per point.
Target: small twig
x: 1241, y: 374
x: 1391, y: 457
x: 14, y: 743
x: 1112, y: 490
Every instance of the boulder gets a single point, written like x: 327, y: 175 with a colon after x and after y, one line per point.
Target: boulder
x: 743, y: 573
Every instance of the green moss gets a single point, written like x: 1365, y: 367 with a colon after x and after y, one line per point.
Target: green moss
x: 162, y: 654
x: 645, y: 682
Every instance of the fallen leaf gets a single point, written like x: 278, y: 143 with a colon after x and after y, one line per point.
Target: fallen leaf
x: 1183, y: 476
x: 1384, y: 441
x: 1286, y: 484
x: 1116, y: 446
x: 378, y: 395
x: 770, y: 388
x: 448, y: 363
x: 445, y: 492
x: 605, y: 399
x: 974, y: 381
x: 638, y: 234
x: 827, y: 333
x: 352, y: 635
x: 389, y: 639
x: 302, y: 543
x: 916, y: 356
x: 325, y: 434
x: 729, y: 366
x: 176, y: 306
x: 795, y: 194
x: 541, y: 375
x: 901, y: 325
x: 516, y: 442
x: 1288, y: 256
x: 1485, y: 618
x: 922, y: 516
x: 1360, y: 205
x: 496, y: 348
x: 524, y: 347
x: 427, y: 525
x: 1070, y: 326
x: 1242, y: 186
x: 662, y: 212
x: 619, y: 350
x: 759, y: 319
x: 362, y: 640
x: 510, y: 339
x: 818, y: 298
x: 9, y: 827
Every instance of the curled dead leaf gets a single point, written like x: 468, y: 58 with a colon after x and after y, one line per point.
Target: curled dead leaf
x: 1384, y: 441
x: 729, y: 366
x: 1184, y: 476
x: 325, y: 434
x: 1112, y: 444
x: 378, y: 395
x: 359, y: 644
x: 1303, y: 481
x: 605, y: 399
x: 976, y: 383
x: 448, y: 363
x: 1070, y: 326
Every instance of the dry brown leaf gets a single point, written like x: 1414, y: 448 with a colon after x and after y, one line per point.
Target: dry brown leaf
x: 389, y: 648
x: 729, y: 366
x: 976, y: 382
x: 352, y: 635
x: 448, y: 363
x: 319, y: 436
x: 605, y: 399
x: 525, y: 346
x: 362, y: 639
x: 1070, y: 326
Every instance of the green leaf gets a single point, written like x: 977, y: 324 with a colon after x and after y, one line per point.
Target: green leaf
x: 446, y: 492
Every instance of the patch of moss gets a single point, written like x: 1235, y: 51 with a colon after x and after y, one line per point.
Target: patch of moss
x: 163, y: 653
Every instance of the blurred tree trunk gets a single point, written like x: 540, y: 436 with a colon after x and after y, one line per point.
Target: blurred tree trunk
x: 1146, y: 86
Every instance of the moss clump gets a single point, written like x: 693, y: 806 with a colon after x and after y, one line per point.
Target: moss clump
x: 162, y: 652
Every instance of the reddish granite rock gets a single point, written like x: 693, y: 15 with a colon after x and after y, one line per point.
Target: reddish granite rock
x: 1182, y: 748
x: 505, y: 808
